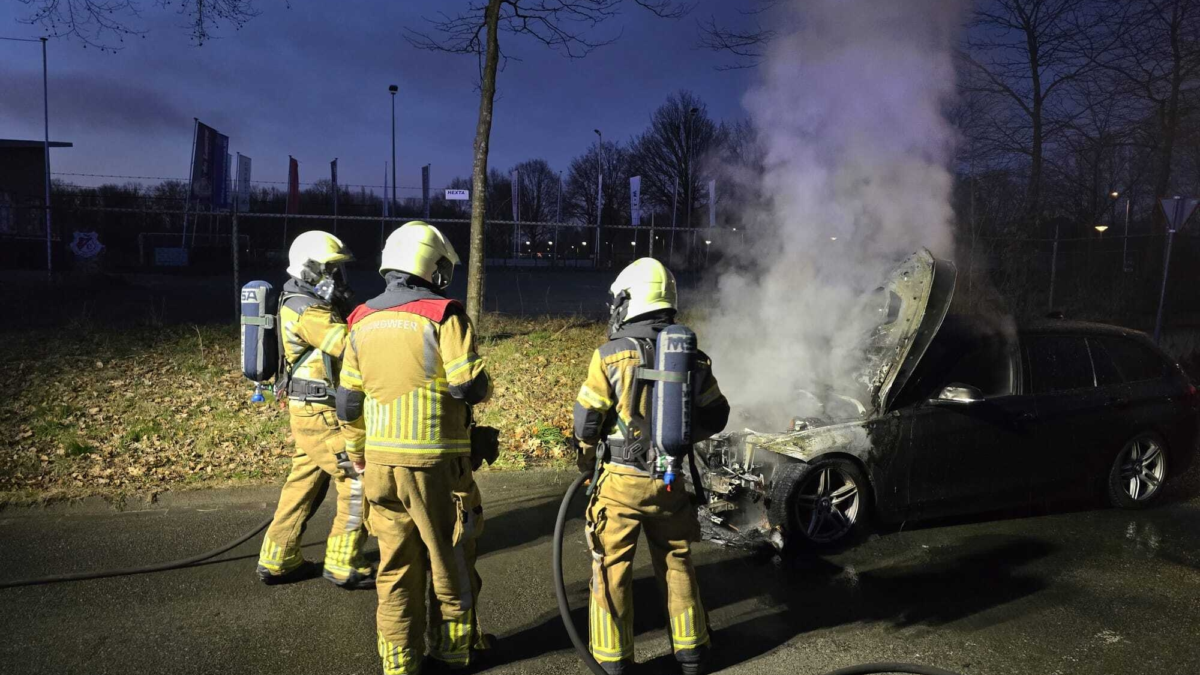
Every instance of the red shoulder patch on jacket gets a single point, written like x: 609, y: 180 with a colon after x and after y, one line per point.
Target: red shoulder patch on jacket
x: 358, y: 314
x: 434, y: 310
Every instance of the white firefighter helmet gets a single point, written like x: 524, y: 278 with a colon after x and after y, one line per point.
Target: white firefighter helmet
x: 645, y: 286
x: 313, y: 253
x: 422, y: 250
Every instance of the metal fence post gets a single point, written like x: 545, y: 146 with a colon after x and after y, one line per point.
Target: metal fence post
x: 236, y: 255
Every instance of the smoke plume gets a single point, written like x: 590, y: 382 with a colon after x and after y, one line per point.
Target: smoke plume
x: 855, y: 148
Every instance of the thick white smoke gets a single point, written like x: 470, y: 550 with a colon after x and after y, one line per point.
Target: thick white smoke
x: 849, y: 114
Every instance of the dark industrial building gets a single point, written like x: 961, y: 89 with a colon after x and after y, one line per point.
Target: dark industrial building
x: 22, y: 195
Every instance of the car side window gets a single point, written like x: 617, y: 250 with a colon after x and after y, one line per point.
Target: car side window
x: 988, y: 368
x: 1136, y: 362
x: 1106, y: 369
x: 1059, y: 363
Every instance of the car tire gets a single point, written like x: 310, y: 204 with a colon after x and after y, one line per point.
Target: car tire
x: 1138, y: 474
x: 821, y: 516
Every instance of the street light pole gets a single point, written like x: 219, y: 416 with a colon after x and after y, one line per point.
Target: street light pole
x: 691, y: 114
x: 599, y: 189
x: 393, y: 88
x: 1125, y: 246
x: 46, y: 121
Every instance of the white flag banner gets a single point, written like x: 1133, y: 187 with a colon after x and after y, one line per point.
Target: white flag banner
x: 635, y: 199
x: 243, y: 182
x: 712, y: 203
x: 516, y: 194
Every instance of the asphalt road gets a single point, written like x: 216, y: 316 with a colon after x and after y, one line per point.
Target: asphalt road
x: 1078, y: 592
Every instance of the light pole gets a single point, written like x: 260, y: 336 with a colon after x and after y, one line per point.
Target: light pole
x: 46, y: 147
x: 691, y: 114
x: 393, y: 88
x: 46, y: 125
x: 1125, y: 266
x: 599, y: 189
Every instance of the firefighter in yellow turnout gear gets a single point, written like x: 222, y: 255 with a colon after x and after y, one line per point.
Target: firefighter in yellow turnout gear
x: 411, y: 374
x: 628, y: 499
x: 313, y: 332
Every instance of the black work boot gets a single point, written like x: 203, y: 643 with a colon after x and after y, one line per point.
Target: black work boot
x: 481, y: 654
x: 622, y: 667
x: 357, y: 581
x: 298, y: 573
x: 692, y: 661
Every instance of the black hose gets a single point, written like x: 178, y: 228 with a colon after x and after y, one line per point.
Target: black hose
x: 564, y: 609
x: 560, y: 585
x: 881, y: 668
x: 147, y: 569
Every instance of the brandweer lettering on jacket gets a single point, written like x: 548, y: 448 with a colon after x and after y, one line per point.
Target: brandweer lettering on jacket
x: 401, y: 324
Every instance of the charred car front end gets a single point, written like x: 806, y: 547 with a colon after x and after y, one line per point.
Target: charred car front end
x: 945, y: 418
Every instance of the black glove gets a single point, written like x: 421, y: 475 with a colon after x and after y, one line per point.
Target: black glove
x: 584, y: 461
x: 485, y: 446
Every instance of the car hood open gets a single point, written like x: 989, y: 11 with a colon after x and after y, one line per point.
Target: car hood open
x: 911, y: 304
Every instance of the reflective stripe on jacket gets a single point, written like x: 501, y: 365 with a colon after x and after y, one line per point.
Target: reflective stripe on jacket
x: 412, y: 370
x: 608, y: 392
x: 313, y: 327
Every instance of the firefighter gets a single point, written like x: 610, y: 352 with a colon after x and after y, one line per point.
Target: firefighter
x: 410, y: 379
x: 313, y: 335
x: 627, y: 498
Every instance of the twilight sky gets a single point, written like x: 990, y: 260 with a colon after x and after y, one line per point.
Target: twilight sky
x: 312, y: 81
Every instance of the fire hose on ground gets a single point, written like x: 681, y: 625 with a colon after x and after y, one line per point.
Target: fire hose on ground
x: 145, y: 569
x: 564, y: 609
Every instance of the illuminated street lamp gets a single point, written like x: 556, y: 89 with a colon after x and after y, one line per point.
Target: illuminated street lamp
x: 393, y: 89
x: 1101, y: 228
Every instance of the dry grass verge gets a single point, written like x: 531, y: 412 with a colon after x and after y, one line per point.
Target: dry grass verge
x: 130, y: 413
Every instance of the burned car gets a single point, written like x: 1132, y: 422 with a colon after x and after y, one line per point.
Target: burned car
x: 951, y: 419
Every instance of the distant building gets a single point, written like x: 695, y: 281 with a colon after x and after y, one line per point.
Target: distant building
x: 23, y: 186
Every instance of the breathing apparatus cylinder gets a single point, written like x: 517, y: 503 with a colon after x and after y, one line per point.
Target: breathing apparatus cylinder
x: 260, y: 342
x: 671, y: 398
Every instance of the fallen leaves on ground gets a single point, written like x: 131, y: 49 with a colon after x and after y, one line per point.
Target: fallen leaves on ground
x: 120, y: 413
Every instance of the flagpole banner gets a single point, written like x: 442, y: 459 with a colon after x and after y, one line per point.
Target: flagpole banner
x: 425, y: 188
x: 635, y: 199
x: 208, y: 166
x: 243, y: 182
x: 333, y: 179
x: 516, y: 195
x: 222, y: 199
x: 712, y: 203
x: 293, y: 197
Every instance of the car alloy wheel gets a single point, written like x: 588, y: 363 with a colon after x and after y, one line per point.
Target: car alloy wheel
x: 826, y: 504
x: 1143, y: 466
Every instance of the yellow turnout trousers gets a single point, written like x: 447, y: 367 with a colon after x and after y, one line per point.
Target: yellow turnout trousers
x: 433, y: 512
x: 318, y: 439
x: 624, y: 504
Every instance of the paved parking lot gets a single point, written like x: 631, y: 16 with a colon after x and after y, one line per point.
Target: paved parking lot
x: 1082, y: 592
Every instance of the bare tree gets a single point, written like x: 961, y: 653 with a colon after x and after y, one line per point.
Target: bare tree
x: 669, y: 153
x: 745, y: 43
x: 561, y: 25
x: 579, y: 193
x: 1024, y: 54
x: 96, y: 23
x: 1154, y: 48
x: 538, y: 191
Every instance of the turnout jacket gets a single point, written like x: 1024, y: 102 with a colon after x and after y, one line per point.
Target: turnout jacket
x: 607, y: 395
x: 410, y: 375
x: 314, y: 336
